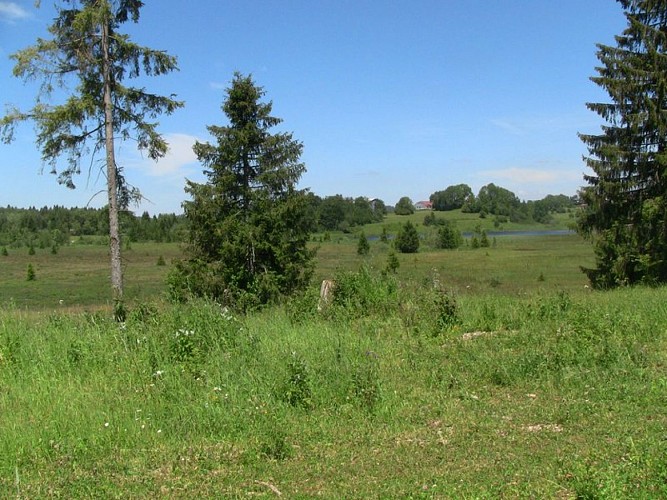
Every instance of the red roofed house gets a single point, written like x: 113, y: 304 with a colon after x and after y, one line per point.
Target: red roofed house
x: 423, y: 205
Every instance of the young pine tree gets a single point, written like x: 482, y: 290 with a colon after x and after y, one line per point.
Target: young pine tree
x: 363, y: 248
x: 249, y: 224
x: 31, y: 275
x: 407, y: 240
x: 392, y: 262
x: 626, y: 196
x: 384, y: 237
x: 448, y: 236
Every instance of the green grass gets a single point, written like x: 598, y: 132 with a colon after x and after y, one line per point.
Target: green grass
x: 78, y: 275
x: 547, y: 395
x: 517, y: 264
x: 470, y: 374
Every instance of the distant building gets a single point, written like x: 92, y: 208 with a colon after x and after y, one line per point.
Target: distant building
x: 423, y: 205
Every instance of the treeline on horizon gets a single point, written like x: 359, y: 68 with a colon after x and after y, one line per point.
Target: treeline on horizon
x: 56, y: 226
x: 502, y: 203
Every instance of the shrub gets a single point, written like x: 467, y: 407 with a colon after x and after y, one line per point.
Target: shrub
x: 448, y: 237
x: 184, y: 346
x: 303, y: 307
x: 297, y: 391
x: 364, y: 293
x: 407, y: 240
x: 392, y: 263
x: 430, y: 219
x: 484, y: 240
x: 498, y: 220
x: 384, y: 237
x: 144, y: 313
x: 363, y: 247
x: 31, y: 276
x: 446, y: 309
x: 429, y: 309
x: 160, y: 261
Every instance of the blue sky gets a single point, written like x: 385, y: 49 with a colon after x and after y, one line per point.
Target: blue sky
x: 390, y: 98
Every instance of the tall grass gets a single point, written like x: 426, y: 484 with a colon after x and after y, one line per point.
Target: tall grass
x: 398, y: 389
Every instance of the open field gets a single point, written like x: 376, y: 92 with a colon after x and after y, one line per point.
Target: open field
x: 516, y: 264
x: 491, y: 372
x: 78, y: 274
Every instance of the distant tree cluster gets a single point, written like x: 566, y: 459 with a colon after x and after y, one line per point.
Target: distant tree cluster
x: 452, y: 198
x: 57, y: 225
x: 340, y: 213
x: 500, y: 202
x: 404, y: 206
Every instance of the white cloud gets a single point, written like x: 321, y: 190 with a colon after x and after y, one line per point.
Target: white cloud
x: 179, y: 156
x: 11, y: 11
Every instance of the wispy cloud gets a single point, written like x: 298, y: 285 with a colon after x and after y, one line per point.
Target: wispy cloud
x: 534, y: 183
x: 524, y: 125
x: 519, y: 175
x: 507, y: 126
x: 12, y: 12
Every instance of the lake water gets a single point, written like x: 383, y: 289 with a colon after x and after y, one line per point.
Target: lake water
x: 491, y: 234
x: 543, y: 232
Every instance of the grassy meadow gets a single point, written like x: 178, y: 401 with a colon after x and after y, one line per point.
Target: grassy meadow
x: 491, y: 372
x: 78, y: 275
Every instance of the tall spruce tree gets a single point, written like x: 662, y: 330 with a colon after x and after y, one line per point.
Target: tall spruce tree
x: 86, y: 48
x: 249, y: 224
x: 625, y: 200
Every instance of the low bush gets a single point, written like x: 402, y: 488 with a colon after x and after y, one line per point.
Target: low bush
x: 364, y: 293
